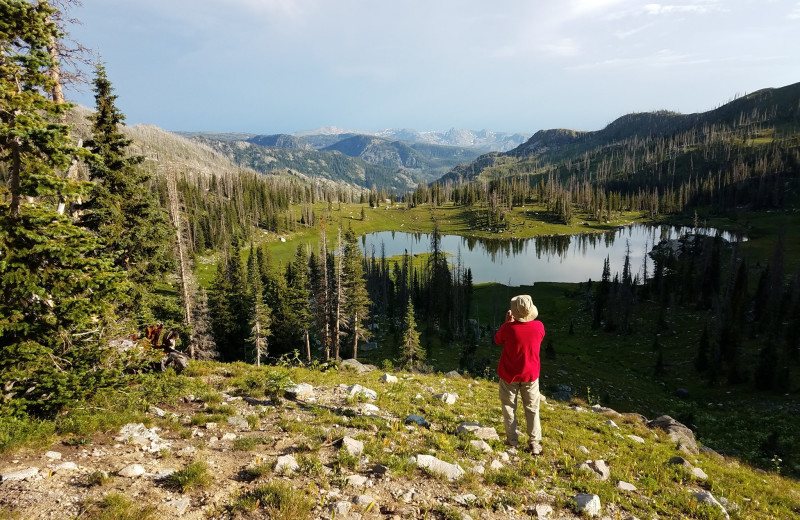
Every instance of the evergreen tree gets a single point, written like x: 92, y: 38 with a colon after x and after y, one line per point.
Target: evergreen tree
x: 260, y: 313
x: 356, y: 300
x: 57, y: 296
x: 411, y: 352
x: 299, y: 299
x: 123, y: 209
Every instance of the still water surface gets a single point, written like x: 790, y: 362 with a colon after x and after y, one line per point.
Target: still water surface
x: 563, y: 258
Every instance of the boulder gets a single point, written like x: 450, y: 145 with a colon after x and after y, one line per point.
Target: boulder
x: 453, y: 374
x: 357, y: 366
x: 481, y: 445
x: 286, y: 464
x: 417, y: 419
x: 625, y: 486
x: 485, y: 433
x: 680, y: 461
x: 358, y: 390
x: 352, y: 446
x: 439, y: 467
x: 589, y: 504
x: 239, y: 422
x: 132, y: 471
x: 22, y: 474
x: 356, y: 480
x: 447, y: 398
x: 180, y: 505
x: 299, y: 391
x: 598, y: 467
x: 705, y: 497
x: 388, y: 378
x: 678, y: 433
x: 543, y: 511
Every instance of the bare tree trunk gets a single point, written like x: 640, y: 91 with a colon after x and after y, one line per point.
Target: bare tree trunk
x: 327, y: 339
x: 355, y: 336
x: 338, y: 294
x: 308, y: 347
x: 184, y: 270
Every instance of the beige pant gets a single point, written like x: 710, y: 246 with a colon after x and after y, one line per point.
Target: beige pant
x: 530, y: 402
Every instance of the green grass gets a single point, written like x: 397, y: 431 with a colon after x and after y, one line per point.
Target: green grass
x: 280, y: 501
x: 194, y: 476
x: 115, y: 506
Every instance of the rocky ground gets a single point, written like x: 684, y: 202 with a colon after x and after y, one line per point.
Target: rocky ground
x: 65, y: 479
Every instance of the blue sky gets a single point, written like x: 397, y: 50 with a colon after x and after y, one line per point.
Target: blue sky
x: 281, y: 66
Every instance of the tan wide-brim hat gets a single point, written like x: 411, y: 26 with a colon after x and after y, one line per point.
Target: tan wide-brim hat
x: 523, y: 309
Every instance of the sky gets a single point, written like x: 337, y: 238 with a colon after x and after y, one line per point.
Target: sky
x: 283, y: 66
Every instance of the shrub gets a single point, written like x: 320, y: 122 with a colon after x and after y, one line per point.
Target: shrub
x: 193, y: 476
x: 280, y: 500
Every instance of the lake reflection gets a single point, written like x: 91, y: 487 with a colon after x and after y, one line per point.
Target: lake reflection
x: 559, y: 258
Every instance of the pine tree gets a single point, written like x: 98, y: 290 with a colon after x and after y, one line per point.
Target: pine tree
x: 122, y: 208
x: 57, y: 296
x: 260, y: 313
x: 299, y: 299
x: 356, y: 300
x: 411, y: 353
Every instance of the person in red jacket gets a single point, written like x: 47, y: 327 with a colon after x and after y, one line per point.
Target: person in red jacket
x: 521, y: 338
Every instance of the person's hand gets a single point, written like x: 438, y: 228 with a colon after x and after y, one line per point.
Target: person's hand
x: 509, y: 316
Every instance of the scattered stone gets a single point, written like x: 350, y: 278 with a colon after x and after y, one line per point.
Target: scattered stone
x: 388, y: 378
x: 286, y: 464
x: 53, y: 455
x: 132, y: 471
x: 179, y: 504
x: 543, y: 511
x: 465, y: 500
x: 439, y: 467
x: 699, y: 473
x: 625, y: 486
x: 453, y: 374
x: 677, y: 432
x: 299, y: 391
x: 186, y: 451
x: 485, y: 433
x: 356, y: 480
x: 583, y: 449
x: 504, y: 455
x: 447, y: 398
x: 66, y: 466
x: 22, y: 474
x: 680, y: 461
x: 354, y: 447
x: 636, y: 438
x: 358, y: 390
x: 380, y: 470
x: 164, y: 473
x: 158, y: 412
x: 417, y: 419
x: 147, y: 438
x: 705, y: 497
x: 369, y: 409
x: 210, y: 426
x: 239, y: 422
x: 589, y: 504
x: 682, y: 393
x: 229, y: 437
x: 612, y: 424
x: 363, y: 500
x: 481, y: 445
x: 341, y: 508
x: 602, y: 409
x: 598, y: 467
x: 496, y: 465
x: 479, y: 470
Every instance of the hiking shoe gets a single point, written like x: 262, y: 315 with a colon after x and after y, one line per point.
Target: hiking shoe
x: 535, y: 448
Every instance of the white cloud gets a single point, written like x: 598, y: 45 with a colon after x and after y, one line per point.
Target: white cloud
x: 661, y: 59
x: 657, y: 9
x: 794, y: 14
x: 562, y: 47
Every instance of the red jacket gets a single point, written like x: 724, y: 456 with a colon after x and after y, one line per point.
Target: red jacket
x: 521, y: 342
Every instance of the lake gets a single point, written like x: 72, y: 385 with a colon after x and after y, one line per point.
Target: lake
x: 559, y: 258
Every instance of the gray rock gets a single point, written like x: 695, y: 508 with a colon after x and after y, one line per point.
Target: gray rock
x: 179, y: 504
x: 286, y: 464
x: 485, y: 433
x: 479, y: 470
x: 676, y: 431
x: 598, y: 467
x: 66, y: 466
x: 612, y: 424
x: 496, y: 465
x: 299, y: 391
x: 589, y: 504
x: 158, y: 412
x: 543, y: 511
x: 481, y: 445
x: 465, y: 500
x: 358, y: 390
x: 583, y: 449
x: 439, y: 467
x: 602, y: 409
x: 680, y: 461
x: 380, y: 470
x: 563, y: 388
x: 22, y: 474
x: 356, y: 480
x: 625, y: 486
x: 636, y: 438
x: 388, y: 378
x: 53, y: 455
x: 132, y: 471
x: 363, y: 500
x: 447, y: 398
x: 357, y: 366
x: 239, y: 422
x: 417, y: 419
x: 354, y: 447
x: 164, y: 473
x: 453, y: 374
x: 341, y: 508
x: 699, y: 473
x: 705, y: 497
